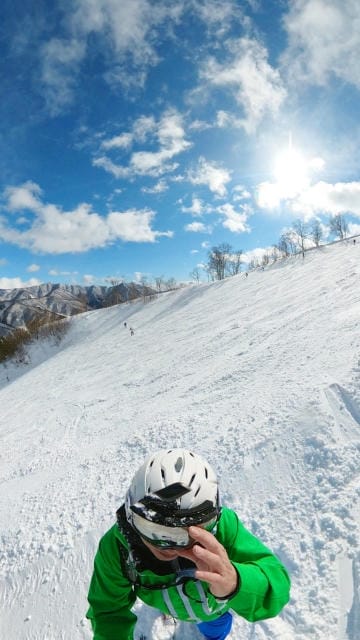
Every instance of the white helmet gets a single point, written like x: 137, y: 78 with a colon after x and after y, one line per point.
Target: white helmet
x: 175, y: 488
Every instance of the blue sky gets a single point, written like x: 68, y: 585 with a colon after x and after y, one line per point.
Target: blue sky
x: 136, y: 135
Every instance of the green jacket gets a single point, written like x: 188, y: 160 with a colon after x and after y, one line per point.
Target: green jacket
x: 264, y: 584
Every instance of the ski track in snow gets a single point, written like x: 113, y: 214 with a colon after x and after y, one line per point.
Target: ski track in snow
x: 260, y: 375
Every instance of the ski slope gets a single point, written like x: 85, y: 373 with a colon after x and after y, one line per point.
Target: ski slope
x: 260, y: 375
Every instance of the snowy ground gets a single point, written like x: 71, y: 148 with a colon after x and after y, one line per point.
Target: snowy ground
x: 260, y: 375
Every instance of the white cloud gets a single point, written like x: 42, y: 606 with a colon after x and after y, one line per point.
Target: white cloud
x: 354, y: 229
x: 235, y: 221
x: 269, y: 195
x: 17, y: 283
x: 140, y: 277
x: 218, y: 16
x: 197, y: 227
x: 159, y: 187
x: 55, y: 231
x: 116, y: 170
x: 60, y: 63
x: 24, y: 197
x: 143, y: 127
x: 324, y: 41
x: 199, y: 125
x: 197, y: 207
x: 256, y: 254
x: 55, y: 272
x: 227, y: 120
x: 256, y: 85
x: 341, y: 197
x: 152, y: 163
x: 134, y: 226
x: 32, y: 268
x: 124, y: 33
x: 241, y: 193
x: 170, y: 136
x: 123, y: 141
x: 210, y: 174
x: 119, y: 75
x: 322, y: 197
x: 88, y: 279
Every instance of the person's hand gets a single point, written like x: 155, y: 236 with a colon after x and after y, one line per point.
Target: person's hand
x: 212, y: 562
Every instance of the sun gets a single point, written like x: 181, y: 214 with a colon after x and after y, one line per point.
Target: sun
x: 290, y: 172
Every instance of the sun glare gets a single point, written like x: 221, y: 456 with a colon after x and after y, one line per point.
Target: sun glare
x: 291, y: 172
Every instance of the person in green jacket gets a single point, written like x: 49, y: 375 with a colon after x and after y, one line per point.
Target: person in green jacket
x: 179, y: 550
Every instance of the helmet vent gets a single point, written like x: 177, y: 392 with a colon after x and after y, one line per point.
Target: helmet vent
x: 151, y: 463
x: 192, y: 479
x: 196, y: 492
x: 178, y: 464
x: 163, y: 474
x: 206, y: 473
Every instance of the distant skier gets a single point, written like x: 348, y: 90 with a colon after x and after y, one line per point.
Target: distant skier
x: 125, y: 325
x: 132, y: 331
x: 177, y: 549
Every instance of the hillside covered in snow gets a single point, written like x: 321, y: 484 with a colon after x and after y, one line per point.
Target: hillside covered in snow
x: 260, y: 375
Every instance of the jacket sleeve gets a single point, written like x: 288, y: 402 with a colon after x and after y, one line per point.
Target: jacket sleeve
x: 110, y: 595
x: 264, y: 585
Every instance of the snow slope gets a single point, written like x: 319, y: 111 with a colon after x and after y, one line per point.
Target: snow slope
x: 260, y: 375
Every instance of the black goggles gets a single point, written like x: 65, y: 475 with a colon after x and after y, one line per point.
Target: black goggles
x: 164, y: 537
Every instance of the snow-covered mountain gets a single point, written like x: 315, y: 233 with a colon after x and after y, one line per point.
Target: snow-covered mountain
x: 260, y: 375
x: 19, y: 306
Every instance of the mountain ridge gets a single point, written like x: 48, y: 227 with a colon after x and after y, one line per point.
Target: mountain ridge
x: 20, y: 306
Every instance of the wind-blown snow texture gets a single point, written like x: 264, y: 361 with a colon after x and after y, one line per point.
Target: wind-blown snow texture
x: 260, y: 375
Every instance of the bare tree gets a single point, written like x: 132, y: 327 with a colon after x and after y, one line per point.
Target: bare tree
x: 145, y: 287
x: 219, y: 259
x: 253, y: 264
x: 209, y: 273
x: 316, y: 232
x: 302, y: 234
x: 283, y: 245
x: 291, y: 241
x: 159, y: 282
x: 171, y: 284
x: 287, y: 243
x: 265, y: 260
x: 195, y: 275
x: 338, y: 226
x: 234, y: 262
